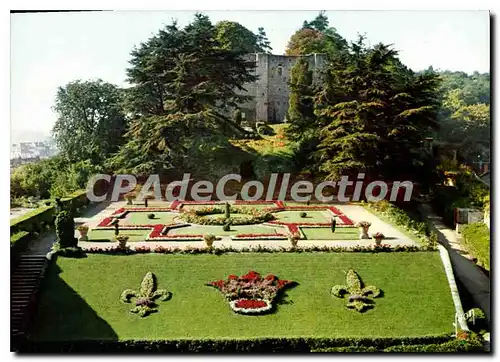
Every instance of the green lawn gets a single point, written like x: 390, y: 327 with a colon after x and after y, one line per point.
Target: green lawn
x: 109, y: 235
x: 80, y: 298
x: 235, y: 229
x: 326, y: 233
x: 141, y: 218
x: 312, y: 216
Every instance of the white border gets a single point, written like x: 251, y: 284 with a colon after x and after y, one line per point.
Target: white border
x: 445, y: 257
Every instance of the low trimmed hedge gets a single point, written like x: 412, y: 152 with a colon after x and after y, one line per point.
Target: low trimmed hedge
x: 43, y: 217
x: 477, y: 241
x: 400, y: 217
x: 19, y: 241
x: 259, y: 249
x: 260, y: 345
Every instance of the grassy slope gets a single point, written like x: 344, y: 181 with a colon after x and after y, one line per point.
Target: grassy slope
x: 83, y: 300
x: 477, y: 241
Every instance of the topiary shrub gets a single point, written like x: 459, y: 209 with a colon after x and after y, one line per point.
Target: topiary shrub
x: 151, y: 216
x: 65, y: 230
x: 303, y: 214
x: 265, y: 130
x: 226, y: 227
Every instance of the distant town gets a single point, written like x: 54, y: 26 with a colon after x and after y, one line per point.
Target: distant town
x: 26, y: 152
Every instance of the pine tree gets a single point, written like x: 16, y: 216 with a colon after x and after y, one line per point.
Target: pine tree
x: 179, y: 92
x: 263, y: 44
x: 373, y: 113
x: 301, y: 106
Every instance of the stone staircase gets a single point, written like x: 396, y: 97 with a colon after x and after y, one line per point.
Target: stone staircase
x: 25, y: 280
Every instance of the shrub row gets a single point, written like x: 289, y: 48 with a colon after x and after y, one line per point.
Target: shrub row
x: 43, y: 217
x: 452, y: 346
x: 401, y: 218
x: 261, y: 345
x: 259, y: 249
x: 19, y: 241
x: 477, y: 241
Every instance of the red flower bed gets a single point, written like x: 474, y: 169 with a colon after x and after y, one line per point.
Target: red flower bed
x: 345, y: 220
x: 156, y: 232
x: 250, y: 293
x: 250, y: 304
x: 182, y: 236
x: 147, y: 209
x: 257, y: 235
x: 119, y: 211
x: 174, y: 204
x: 105, y: 222
x: 293, y: 228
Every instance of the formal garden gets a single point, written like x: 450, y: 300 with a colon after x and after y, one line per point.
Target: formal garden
x: 198, y: 221
x: 143, y: 275
x: 126, y: 296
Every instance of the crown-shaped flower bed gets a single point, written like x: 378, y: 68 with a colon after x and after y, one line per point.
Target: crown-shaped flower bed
x: 250, y: 293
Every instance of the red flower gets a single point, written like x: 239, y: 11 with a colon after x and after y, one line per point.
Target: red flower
x: 251, y: 275
x: 250, y: 304
x: 174, y: 204
x: 282, y: 283
x: 270, y: 277
x: 232, y: 277
x: 105, y: 222
x: 119, y: 211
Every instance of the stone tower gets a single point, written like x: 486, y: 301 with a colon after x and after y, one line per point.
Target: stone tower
x: 270, y: 91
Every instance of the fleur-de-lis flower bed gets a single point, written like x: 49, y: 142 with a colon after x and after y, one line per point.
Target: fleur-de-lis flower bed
x: 250, y: 293
x: 146, y: 296
x: 358, y: 297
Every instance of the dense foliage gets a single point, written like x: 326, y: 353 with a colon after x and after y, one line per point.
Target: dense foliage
x: 65, y: 229
x: 373, y: 114
x: 464, y: 116
x: 316, y: 37
x: 301, y: 106
x: 477, y: 241
x: 180, y: 95
x: 90, y: 120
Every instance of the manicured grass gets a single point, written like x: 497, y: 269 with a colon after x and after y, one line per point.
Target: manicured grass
x: 477, y: 241
x: 109, y: 235
x: 235, y: 229
x: 151, y: 203
x: 80, y: 298
x: 312, y: 216
x: 141, y: 218
x: 326, y: 233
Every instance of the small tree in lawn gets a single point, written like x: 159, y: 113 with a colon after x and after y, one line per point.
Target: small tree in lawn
x: 228, y: 211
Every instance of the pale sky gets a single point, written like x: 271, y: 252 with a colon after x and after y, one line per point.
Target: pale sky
x: 49, y: 50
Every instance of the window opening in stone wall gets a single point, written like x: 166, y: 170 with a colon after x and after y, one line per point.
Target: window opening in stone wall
x: 280, y: 70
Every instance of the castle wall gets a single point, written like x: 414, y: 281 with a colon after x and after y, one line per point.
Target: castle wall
x: 271, y: 90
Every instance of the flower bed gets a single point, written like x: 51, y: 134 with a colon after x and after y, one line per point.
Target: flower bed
x: 250, y: 293
x: 159, y: 233
x: 344, y: 220
x: 254, y: 216
x: 258, y: 236
x: 383, y: 248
